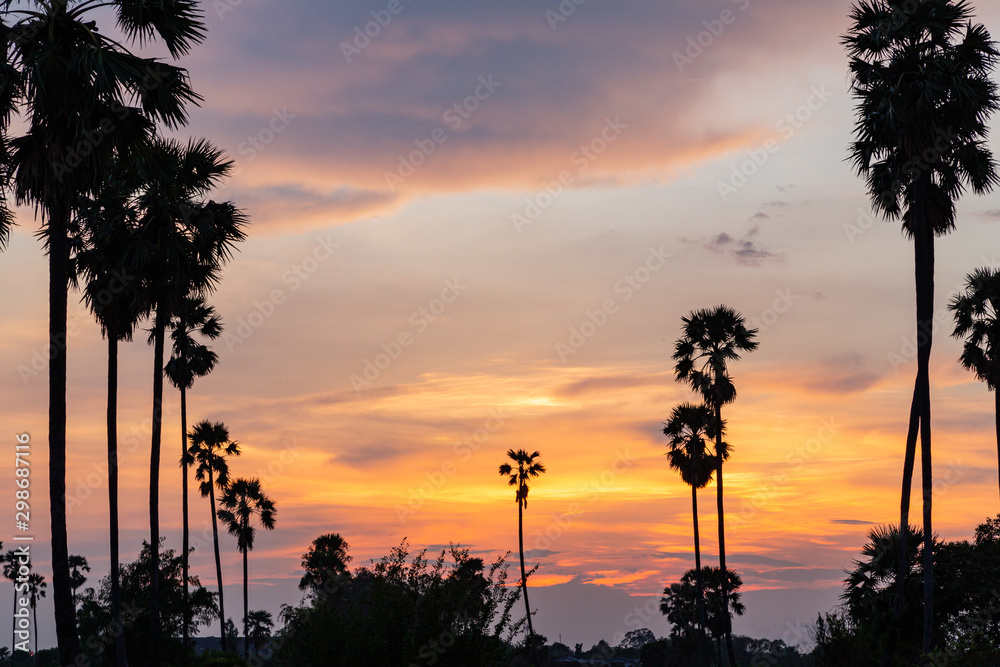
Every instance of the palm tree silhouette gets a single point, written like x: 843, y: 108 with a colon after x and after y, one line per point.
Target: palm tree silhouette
x: 190, y: 359
x: 324, y: 563
x: 210, y: 445
x: 260, y: 624
x: 242, y: 502
x: 10, y: 566
x: 711, y: 339
x: 77, y: 566
x: 922, y: 82
x: 36, y: 591
x: 107, y: 250
x: 687, y: 428
x: 186, y: 239
x: 526, y: 468
x: 977, y: 319
x: 71, y: 80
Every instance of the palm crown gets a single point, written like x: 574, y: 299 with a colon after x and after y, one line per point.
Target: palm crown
x: 189, y: 358
x: 242, y: 501
x: 210, y: 444
x: 977, y: 319
x: 527, y: 468
x: 687, y: 429
x: 923, y: 103
x: 711, y: 339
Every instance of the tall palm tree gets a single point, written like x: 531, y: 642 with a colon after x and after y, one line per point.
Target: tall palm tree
x: 104, y: 260
x: 921, y: 78
x: 186, y: 239
x: 190, y: 359
x: 325, y: 562
x: 36, y: 591
x: 242, y: 502
x: 977, y: 320
x: 712, y: 338
x: 526, y: 468
x: 210, y: 445
x: 85, y: 98
x: 688, y: 428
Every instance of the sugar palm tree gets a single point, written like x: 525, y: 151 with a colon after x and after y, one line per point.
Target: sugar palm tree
x: 261, y: 624
x: 77, y: 566
x: 518, y: 477
x: 921, y: 78
x: 210, y: 445
x: 243, y: 502
x: 104, y: 262
x: 712, y: 338
x: 190, y: 359
x: 325, y: 562
x: 977, y: 320
x: 85, y: 98
x: 36, y: 591
x: 185, y: 240
x: 688, y: 427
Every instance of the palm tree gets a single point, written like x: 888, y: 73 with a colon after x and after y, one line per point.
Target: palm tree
x: 324, y: 563
x: 10, y: 566
x: 107, y: 250
x: 210, y: 445
x: 73, y: 84
x: 185, y: 240
x: 260, y: 626
x: 922, y: 81
x: 77, y: 566
x: 36, y: 591
x: 527, y: 468
x: 242, y: 502
x: 977, y: 319
x: 190, y: 359
x: 712, y: 338
x: 688, y: 428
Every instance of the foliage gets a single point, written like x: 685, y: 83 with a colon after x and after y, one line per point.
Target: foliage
x: 403, y: 610
x: 679, y: 603
x: 325, y: 563
x: 97, y: 630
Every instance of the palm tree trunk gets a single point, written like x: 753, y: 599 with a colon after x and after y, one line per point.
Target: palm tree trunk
x: 246, y: 597
x: 902, y: 565
x: 116, y: 594
x: 218, y: 561
x: 34, y: 616
x: 726, y: 620
x: 62, y: 598
x: 154, y: 491
x: 524, y: 578
x: 924, y: 243
x: 184, y: 512
x: 996, y: 398
x: 698, y: 580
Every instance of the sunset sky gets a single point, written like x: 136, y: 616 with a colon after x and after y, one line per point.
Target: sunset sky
x: 479, y: 230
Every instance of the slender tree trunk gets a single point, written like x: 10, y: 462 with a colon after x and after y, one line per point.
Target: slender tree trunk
x: 62, y: 598
x: 902, y: 565
x: 524, y: 578
x: 184, y: 511
x: 700, y: 586
x: 924, y: 242
x: 996, y: 399
x: 218, y: 560
x: 246, y: 598
x: 121, y: 660
x: 154, y: 492
x: 727, y: 622
x: 34, y: 616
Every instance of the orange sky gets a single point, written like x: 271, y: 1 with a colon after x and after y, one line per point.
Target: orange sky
x: 339, y: 265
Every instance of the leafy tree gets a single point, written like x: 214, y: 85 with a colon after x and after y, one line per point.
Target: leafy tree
x: 325, y: 564
x: 210, y: 445
x: 243, y: 502
x: 712, y: 338
x: 77, y: 87
x: 98, y: 627
x: 526, y: 468
x: 77, y: 566
x: 404, y: 609
x: 636, y: 639
x: 678, y: 604
x: 260, y: 624
x: 921, y: 77
x: 190, y: 359
x: 977, y: 320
